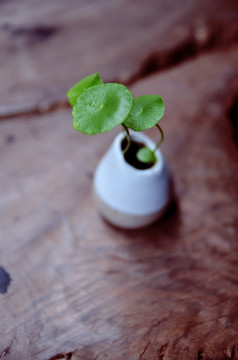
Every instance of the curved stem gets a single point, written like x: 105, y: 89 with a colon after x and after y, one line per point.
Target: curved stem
x: 128, y: 138
x: 161, y: 139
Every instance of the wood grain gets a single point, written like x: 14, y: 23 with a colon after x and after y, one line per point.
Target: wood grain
x: 46, y: 48
x: 81, y: 289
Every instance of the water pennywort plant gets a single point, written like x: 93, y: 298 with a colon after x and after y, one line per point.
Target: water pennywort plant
x: 99, y: 107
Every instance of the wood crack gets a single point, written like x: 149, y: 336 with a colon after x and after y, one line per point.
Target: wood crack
x: 144, y: 351
x: 162, y: 351
x: 5, y: 352
x: 187, y: 50
x: 233, y: 114
x: 200, y: 354
x: 233, y: 353
x: 153, y: 63
x: 64, y: 356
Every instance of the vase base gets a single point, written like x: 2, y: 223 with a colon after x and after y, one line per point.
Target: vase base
x: 124, y: 220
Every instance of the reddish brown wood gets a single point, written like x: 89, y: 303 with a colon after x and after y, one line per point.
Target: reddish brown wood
x: 45, y: 48
x: 81, y: 289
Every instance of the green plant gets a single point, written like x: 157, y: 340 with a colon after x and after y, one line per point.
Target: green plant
x: 99, y: 107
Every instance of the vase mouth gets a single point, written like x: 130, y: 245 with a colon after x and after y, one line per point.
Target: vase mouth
x: 139, y: 137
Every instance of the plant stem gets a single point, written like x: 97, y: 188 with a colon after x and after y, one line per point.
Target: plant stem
x: 161, y: 139
x: 128, y: 138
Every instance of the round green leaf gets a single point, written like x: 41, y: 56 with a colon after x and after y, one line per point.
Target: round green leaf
x: 146, y: 155
x: 101, y: 108
x: 146, y: 111
x: 81, y: 86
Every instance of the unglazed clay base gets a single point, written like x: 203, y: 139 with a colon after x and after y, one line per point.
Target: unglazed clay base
x: 124, y: 220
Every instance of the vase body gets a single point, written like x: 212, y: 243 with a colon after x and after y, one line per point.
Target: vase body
x: 128, y: 197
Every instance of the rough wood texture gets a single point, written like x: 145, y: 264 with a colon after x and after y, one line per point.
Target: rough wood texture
x: 46, y: 46
x: 81, y: 289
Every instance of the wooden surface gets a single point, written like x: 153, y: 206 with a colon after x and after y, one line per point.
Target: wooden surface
x: 45, y: 48
x: 72, y: 286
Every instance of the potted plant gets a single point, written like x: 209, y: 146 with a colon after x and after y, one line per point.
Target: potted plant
x: 132, y: 182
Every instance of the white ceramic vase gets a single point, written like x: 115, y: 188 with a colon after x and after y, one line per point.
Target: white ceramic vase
x: 128, y: 197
